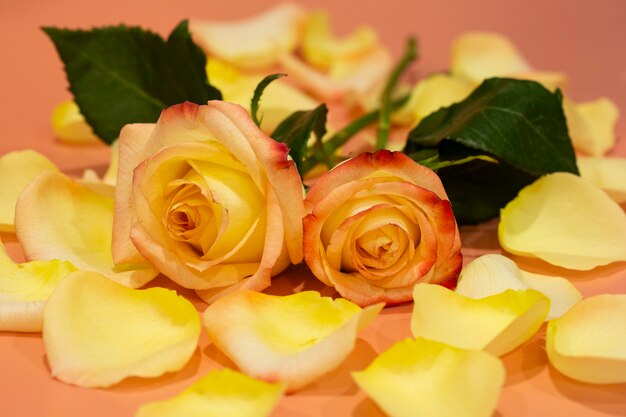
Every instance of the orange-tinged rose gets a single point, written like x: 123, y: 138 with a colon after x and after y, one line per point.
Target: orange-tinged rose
x: 377, y: 225
x: 208, y: 198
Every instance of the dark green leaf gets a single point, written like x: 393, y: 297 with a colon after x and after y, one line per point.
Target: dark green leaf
x: 296, y: 130
x: 121, y: 74
x: 518, y: 123
x: 258, y: 92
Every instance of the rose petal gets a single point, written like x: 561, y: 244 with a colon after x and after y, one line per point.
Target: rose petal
x: 592, y: 125
x: 69, y: 125
x: 321, y: 47
x: 353, y: 79
x: 497, y: 324
x: 606, y: 173
x: 480, y: 55
x: 97, y: 332
x: 294, y: 339
x: 57, y: 218
x: 24, y: 289
x: 17, y: 169
x: 587, y: 343
x: 431, y: 94
x: 279, y: 100
x: 566, y: 221
x: 492, y: 274
x: 253, y: 43
x: 223, y: 393
x: 427, y: 378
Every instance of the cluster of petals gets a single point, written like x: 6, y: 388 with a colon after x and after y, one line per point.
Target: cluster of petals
x: 210, y: 200
x: 377, y: 225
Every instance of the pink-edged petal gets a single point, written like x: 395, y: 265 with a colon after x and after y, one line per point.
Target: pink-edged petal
x: 131, y: 143
x: 57, y: 218
x: 97, y: 332
x: 294, y: 339
x: 223, y: 393
x: 17, y: 169
x: 427, y: 378
x: 566, y: 221
x: 587, y: 343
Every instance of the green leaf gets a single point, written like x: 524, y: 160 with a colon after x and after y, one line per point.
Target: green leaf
x: 121, y: 74
x: 258, y: 92
x: 296, y: 130
x: 519, y: 123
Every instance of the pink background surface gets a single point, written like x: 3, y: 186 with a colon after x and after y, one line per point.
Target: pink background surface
x: 583, y: 38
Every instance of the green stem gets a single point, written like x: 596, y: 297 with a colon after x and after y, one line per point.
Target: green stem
x: 345, y: 134
x: 384, y: 117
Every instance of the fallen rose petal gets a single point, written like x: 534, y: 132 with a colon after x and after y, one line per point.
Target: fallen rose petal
x: 17, y: 169
x: 321, y: 47
x: 431, y: 94
x: 427, y: 378
x: 58, y: 218
x: 253, y: 43
x: 294, y: 339
x: 497, y: 324
x: 566, y: 221
x: 69, y: 125
x: 24, y: 289
x: 606, y: 173
x: 223, y: 393
x: 592, y: 125
x: 97, y: 332
x: 587, y: 343
x: 492, y: 274
x: 279, y: 100
x: 480, y: 55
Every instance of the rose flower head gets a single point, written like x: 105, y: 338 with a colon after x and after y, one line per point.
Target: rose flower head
x: 377, y: 225
x: 208, y: 198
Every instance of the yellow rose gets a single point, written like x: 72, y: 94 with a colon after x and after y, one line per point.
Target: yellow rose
x: 379, y: 224
x: 208, y: 198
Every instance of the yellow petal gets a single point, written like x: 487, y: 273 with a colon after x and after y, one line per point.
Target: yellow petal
x: 57, y: 218
x: 431, y: 94
x: 97, y: 332
x: 497, y: 324
x: 566, y: 221
x: 592, y: 125
x: 606, y: 173
x: 24, y: 289
x: 480, y: 55
x: 426, y: 378
x: 492, y: 274
x: 17, y: 169
x: 222, y: 393
x: 549, y: 79
x: 294, y: 339
x: 69, y: 125
x: 279, y: 100
x: 253, y: 43
x: 587, y: 343
x: 321, y: 48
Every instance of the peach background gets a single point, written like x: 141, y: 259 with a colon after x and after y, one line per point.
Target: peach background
x: 583, y: 38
